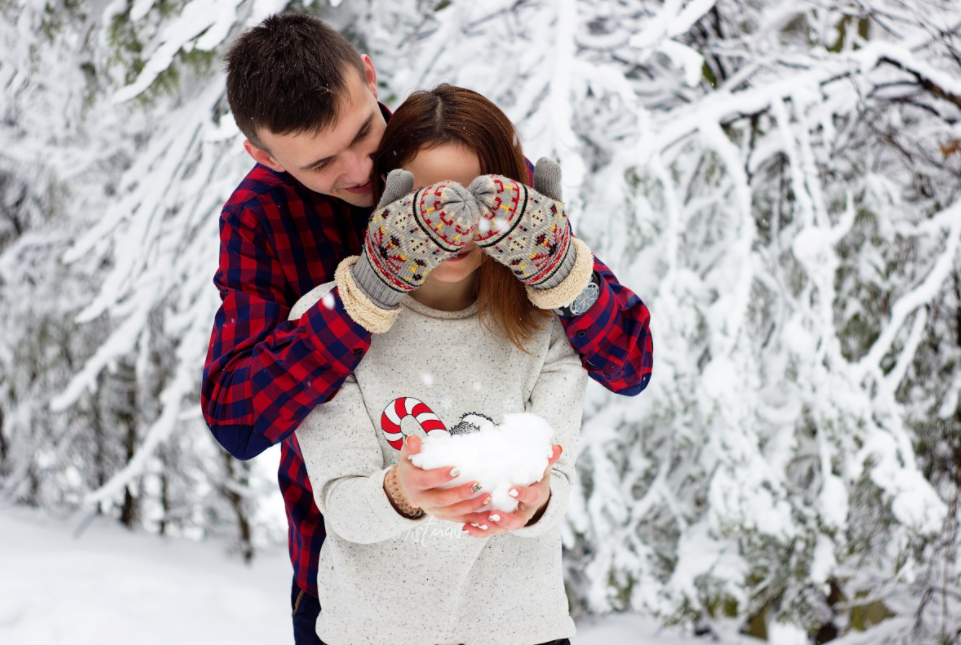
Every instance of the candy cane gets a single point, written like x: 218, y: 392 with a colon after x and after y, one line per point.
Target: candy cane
x: 403, y: 407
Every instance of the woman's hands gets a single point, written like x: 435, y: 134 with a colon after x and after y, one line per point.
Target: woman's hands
x: 421, y: 488
x: 532, y: 501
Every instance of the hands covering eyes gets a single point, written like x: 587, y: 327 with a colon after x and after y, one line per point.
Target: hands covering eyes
x: 410, y: 233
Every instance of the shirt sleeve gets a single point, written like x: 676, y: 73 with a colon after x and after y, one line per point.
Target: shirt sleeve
x: 613, y: 337
x: 345, y: 465
x: 558, y: 397
x: 263, y: 374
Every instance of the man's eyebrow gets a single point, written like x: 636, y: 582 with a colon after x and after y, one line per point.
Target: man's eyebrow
x: 364, y: 129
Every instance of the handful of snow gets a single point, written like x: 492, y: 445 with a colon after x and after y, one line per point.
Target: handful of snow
x: 514, y: 453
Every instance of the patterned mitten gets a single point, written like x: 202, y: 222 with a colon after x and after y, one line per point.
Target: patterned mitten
x: 528, y: 231
x: 410, y: 234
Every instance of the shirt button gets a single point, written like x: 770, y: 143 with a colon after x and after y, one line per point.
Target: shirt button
x: 358, y: 352
x: 581, y: 333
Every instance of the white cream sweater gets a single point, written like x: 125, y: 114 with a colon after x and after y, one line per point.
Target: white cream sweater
x: 384, y: 579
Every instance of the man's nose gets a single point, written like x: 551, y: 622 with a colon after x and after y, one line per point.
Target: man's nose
x: 359, y: 169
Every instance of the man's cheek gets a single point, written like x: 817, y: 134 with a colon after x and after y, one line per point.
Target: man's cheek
x: 318, y: 183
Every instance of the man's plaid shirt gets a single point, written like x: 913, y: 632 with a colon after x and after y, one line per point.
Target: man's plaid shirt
x: 264, y: 374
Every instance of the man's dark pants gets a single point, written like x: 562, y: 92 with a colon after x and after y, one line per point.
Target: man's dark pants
x: 306, y: 608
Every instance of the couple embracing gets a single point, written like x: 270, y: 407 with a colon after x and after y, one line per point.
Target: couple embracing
x: 462, y: 294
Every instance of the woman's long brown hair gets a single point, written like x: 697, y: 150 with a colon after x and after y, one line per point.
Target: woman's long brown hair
x: 454, y: 115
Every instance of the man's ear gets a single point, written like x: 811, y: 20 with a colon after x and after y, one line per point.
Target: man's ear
x: 370, y: 74
x: 262, y: 157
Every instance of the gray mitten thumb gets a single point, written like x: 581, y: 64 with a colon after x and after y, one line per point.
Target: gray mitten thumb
x: 400, y: 182
x: 547, y: 178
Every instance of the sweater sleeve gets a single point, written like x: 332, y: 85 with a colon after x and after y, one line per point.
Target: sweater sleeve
x: 613, y: 337
x: 263, y: 373
x: 345, y: 465
x: 558, y: 397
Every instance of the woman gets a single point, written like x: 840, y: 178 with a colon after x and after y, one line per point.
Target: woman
x: 466, y: 344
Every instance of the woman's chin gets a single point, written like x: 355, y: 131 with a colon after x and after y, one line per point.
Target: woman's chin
x: 451, y: 274
x: 457, y: 270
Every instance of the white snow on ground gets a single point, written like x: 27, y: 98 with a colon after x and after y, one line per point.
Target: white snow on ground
x: 109, y: 586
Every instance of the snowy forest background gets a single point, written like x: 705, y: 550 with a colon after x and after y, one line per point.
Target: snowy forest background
x: 777, y: 179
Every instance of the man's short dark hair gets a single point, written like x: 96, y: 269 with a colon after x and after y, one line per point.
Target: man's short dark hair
x: 288, y: 75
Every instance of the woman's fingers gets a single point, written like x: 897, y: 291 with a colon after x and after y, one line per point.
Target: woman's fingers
x: 497, y: 522
x: 413, y: 445
x: 475, y: 531
x: 531, y: 495
x: 420, y: 480
x: 415, y: 480
x: 478, y: 517
x: 556, y: 451
x: 472, y: 511
x: 535, y: 494
x: 483, y: 530
x: 469, y: 510
x: 508, y: 521
x: 456, y: 501
x: 423, y: 488
x: 501, y: 518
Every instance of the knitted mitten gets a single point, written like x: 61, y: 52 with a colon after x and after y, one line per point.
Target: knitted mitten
x: 410, y: 234
x: 528, y: 231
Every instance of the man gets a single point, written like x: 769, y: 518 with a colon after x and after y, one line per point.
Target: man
x: 306, y: 102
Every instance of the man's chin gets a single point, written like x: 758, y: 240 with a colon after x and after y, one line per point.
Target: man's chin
x: 357, y: 199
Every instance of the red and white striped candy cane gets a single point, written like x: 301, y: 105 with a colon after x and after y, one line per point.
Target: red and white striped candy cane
x: 403, y: 407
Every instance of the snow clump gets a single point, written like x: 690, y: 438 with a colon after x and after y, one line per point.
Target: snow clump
x: 514, y: 453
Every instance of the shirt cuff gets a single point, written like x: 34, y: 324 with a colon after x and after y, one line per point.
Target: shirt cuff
x: 382, y: 508
x: 334, y: 333
x: 591, y: 329
x: 555, y: 511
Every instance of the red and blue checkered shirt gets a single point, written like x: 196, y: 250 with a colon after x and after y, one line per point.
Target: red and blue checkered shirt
x: 264, y: 374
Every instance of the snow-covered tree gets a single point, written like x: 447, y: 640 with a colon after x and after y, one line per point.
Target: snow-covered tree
x: 92, y: 390
x: 777, y: 180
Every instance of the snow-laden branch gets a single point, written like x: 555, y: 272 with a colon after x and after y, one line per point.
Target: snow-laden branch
x: 135, y: 223
x: 723, y: 105
x: 730, y: 309
x: 934, y: 80
x: 894, y: 470
x: 120, y: 343
x: 906, y: 357
x: 923, y: 293
x: 202, y: 25
x: 181, y: 387
x: 561, y: 96
x: 676, y: 17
